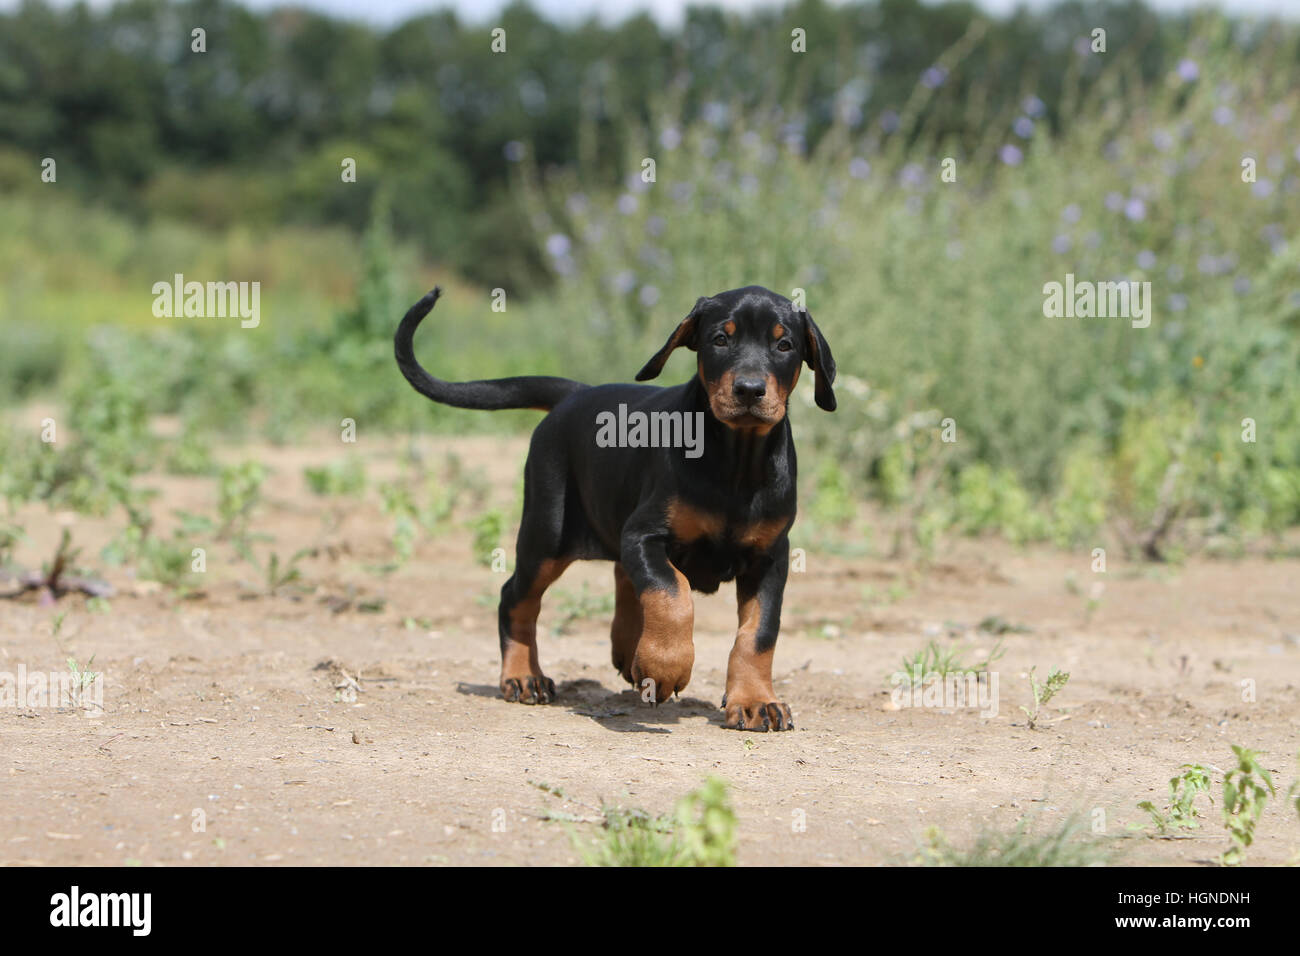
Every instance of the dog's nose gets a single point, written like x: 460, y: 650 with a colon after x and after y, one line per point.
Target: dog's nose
x: 749, y: 389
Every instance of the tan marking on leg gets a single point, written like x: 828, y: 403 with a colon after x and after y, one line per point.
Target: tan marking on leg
x: 625, y: 629
x: 750, y: 701
x: 665, y: 652
x: 519, y: 656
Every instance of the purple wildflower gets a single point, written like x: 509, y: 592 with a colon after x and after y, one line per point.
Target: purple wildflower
x: 934, y: 77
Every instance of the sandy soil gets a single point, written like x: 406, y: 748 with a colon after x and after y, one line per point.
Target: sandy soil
x: 240, y: 727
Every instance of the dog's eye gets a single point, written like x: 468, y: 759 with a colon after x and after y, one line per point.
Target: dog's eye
x: 719, y: 340
x: 784, y: 345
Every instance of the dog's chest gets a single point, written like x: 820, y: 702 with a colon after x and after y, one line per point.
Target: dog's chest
x: 710, y: 548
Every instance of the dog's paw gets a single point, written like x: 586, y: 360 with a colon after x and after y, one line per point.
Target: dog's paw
x: 528, y: 689
x: 756, y: 713
x: 623, y: 664
x: 660, y: 672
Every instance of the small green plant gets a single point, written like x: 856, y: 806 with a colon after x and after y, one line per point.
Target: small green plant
x: 633, y: 838
x: 191, y: 455
x: 997, y: 624
x: 1067, y: 844
x: 581, y: 606
x: 168, y: 561
x: 935, y: 660
x: 10, y: 536
x: 1184, y: 788
x: 239, y: 490
x: 347, y: 477
x: 1293, y: 792
x: 707, y: 825
x: 1091, y: 598
x: 833, y: 504
x: 81, y: 679
x: 278, y: 574
x: 1244, y: 798
x: 1044, y: 692
x: 701, y: 831
x: 165, y: 560
x: 487, y: 529
x: 397, y: 502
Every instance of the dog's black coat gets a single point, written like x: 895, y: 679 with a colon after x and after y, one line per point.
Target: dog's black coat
x: 583, y: 501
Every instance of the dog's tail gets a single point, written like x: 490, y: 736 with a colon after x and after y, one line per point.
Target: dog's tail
x: 542, y: 392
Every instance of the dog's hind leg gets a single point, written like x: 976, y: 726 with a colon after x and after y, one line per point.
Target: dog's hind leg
x: 539, y: 561
x: 522, y: 679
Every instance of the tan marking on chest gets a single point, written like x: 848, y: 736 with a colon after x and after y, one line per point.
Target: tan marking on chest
x: 688, y: 523
x: 761, y: 534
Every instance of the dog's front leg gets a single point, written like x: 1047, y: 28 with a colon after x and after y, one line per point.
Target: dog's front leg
x: 665, y: 651
x: 750, y: 702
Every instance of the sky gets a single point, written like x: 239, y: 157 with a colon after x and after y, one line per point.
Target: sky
x: 667, y: 12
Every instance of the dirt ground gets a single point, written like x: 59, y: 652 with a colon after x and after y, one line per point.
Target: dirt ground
x: 242, y: 728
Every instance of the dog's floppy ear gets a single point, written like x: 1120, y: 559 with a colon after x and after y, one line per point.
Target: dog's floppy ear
x: 822, y: 363
x: 684, y: 334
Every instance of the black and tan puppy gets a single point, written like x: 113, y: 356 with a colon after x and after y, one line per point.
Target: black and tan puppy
x: 716, y: 507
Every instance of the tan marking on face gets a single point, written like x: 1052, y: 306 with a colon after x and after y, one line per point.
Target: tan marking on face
x: 665, y: 652
x: 722, y: 401
x: 762, y: 534
x: 729, y: 327
x: 688, y: 523
x: 778, y: 330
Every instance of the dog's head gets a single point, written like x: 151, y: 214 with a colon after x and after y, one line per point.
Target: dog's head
x: 750, y: 344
